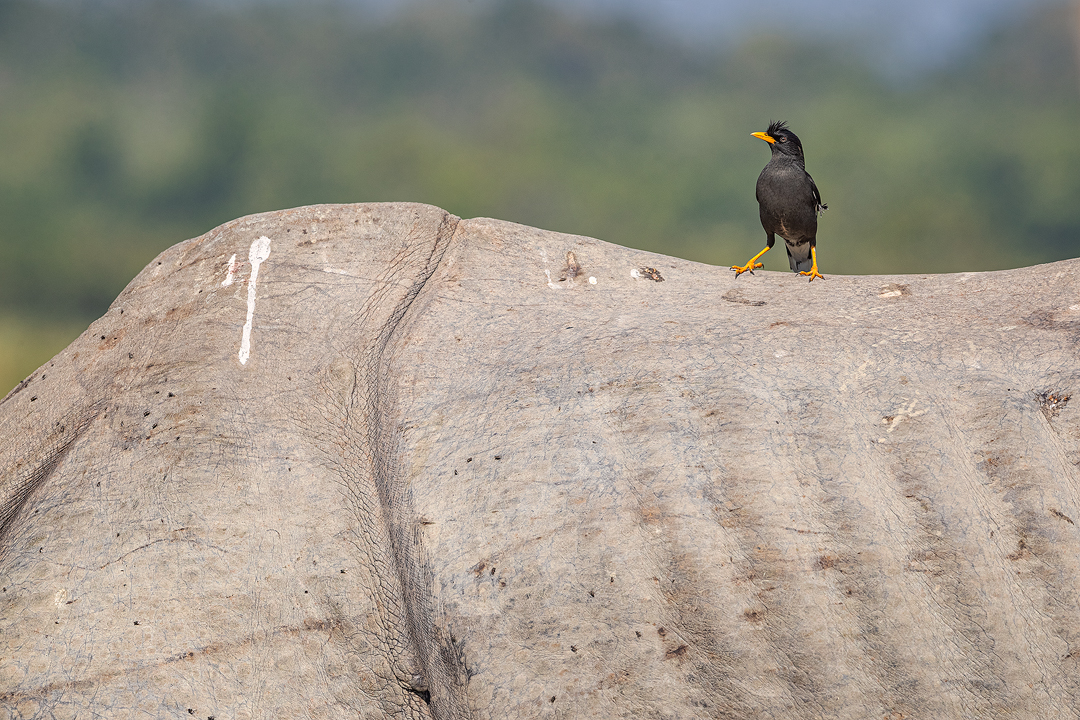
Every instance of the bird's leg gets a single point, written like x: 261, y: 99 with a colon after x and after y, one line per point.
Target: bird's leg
x: 813, y: 272
x: 752, y: 264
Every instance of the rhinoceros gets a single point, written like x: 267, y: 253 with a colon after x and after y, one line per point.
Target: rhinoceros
x: 377, y: 461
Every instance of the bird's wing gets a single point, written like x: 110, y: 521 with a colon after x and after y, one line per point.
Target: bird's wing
x: 818, y: 205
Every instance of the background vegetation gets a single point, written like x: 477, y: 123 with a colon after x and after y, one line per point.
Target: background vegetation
x: 126, y: 127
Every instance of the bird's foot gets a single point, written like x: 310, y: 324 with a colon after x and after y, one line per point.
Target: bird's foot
x: 748, y: 267
x: 813, y: 272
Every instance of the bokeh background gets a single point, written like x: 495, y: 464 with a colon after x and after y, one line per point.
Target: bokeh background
x: 944, y: 134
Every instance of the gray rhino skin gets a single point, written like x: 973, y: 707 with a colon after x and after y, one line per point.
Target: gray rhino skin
x: 472, y: 469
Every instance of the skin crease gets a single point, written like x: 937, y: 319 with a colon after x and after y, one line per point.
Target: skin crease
x: 789, y: 203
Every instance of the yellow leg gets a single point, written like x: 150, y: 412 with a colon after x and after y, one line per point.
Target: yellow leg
x: 813, y: 273
x: 750, y: 265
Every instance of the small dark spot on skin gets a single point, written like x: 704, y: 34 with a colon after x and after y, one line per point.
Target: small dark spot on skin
x: 146, y: 413
x: 573, y: 648
x: 33, y: 398
x: 342, y: 572
x: 468, y: 460
x: 455, y: 472
x: 131, y: 356
x: 552, y: 699
x: 592, y: 594
x: 1052, y: 402
x: 651, y: 274
x: 662, y: 632
x: 190, y: 711
x: 136, y: 622
x: 153, y: 426
x: 479, y: 568
x: 676, y: 653
x: 493, y: 570
x: 733, y: 296
x: 498, y: 457
x: 1057, y: 513
x: 102, y: 337
x: 638, y: 633
x: 825, y: 562
x: 98, y: 483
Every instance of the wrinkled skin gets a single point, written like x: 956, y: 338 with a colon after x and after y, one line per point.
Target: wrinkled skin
x: 457, y: 478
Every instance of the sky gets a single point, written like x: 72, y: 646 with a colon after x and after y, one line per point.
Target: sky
x: 910, y: 34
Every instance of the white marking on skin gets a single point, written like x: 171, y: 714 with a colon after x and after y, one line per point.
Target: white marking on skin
x: 232, y: 271
x: 60, y: 597
x: 544, y: 257
x: 890, y: 293
x: 855, y: 375
x: 592, y: 281
x: 260, y: 250
x: 901, y: 414
x: 335, y: 271
x: 635, y: 273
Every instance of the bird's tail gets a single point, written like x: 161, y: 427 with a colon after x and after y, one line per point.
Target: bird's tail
x: 799, y: 258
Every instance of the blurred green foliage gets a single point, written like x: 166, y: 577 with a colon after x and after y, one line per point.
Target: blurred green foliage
x: 128, y: 126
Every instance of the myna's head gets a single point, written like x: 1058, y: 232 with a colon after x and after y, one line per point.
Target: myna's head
x: 781, y: 139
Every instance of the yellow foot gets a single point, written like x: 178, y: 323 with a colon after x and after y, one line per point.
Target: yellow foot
x: 748, y: 267
x: 813, y: 267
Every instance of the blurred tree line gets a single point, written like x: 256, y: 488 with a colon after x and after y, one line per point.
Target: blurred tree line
x: 128, y: 126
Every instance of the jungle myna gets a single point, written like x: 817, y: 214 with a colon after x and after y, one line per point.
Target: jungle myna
x: 789, y: 202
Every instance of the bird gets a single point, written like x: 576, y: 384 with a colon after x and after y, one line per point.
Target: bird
x: 789, y: 203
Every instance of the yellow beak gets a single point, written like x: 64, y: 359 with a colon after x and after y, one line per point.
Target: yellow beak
x: 764, y: 136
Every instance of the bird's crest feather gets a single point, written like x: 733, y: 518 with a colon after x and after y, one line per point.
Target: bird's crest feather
x: 776, y: 126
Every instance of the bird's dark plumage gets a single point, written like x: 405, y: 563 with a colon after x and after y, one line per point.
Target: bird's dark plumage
x: 789, y: 202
